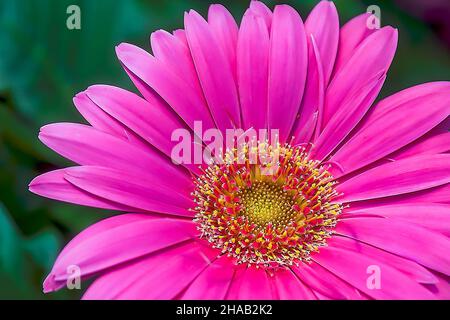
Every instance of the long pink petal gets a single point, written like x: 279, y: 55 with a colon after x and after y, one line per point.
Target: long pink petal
x: 287, y: 69
x: 137, y: 191
x: 97, y: 117
x: 213, y: 69
x: 432, y: 216
x: 225, y: 30
x: 414, y: 270
x: 386, y: 129
x: 323, y: 24
x: 117, y: 240
x: 326, y: 283
x: 253, y: 58
x: 373, y: 56
x: 175, y: 54
x: 404, y: 239
x: 352, y: 267
x: 289, y: 287
x: 87, y: 146
x: 172, y: 88
x: 151, y: 123
x: 213, y: 282
x: 260, y: 9
x: 351, y: 111
x: 352, y: 34
x: 161, y: 276
x: 399, y: 177
x: 53, y: 185
x: 435, y: 141
x: 312, y: 102
x: 254, y: 284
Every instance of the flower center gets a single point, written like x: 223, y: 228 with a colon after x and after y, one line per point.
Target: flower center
x: 271, y: 210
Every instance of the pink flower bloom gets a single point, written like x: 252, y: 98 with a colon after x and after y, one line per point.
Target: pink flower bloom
x: 357, y: 207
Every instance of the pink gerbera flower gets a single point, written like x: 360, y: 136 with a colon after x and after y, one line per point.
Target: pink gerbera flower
x: 356, y: 205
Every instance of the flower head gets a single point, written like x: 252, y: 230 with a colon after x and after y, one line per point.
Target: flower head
x: 351, y: 200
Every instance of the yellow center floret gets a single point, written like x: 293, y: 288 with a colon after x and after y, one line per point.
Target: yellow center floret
x: 272, y: 210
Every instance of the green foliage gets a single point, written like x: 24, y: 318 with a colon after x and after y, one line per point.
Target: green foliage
x: 43, y: 65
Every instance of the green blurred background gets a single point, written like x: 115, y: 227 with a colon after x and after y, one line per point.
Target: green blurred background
x: 43, y: 64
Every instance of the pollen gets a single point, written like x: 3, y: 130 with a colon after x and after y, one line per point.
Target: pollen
x: 268, y: 206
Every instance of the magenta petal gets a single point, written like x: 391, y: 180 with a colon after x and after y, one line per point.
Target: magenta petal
x: 426, y: 105
x: 174, y: 53
x: 373, y: 56
x: 213, y: 282
x: 161, y: 276
x: 260, y: 9
x: 114, y: 241
x: 253, y: 58
x: 352, y: 34
x: 225, y: 30
x: 312, y: 103
x: 287, y: 69
x: 323, y: 24
x: 404, y: 239
x: 410, y: 268
x: 289, y: 287
x: 187, y: 103
x: 251, y: 284
x: 150, y: 122
x: 214, y: 72
x: 97, y: 117
x: 435, y: 141
x: 351, y: 111
x: 326, y: 283
x: 137, y: 191
x: 432, y: 216
x: 87, y: 146
x: 352, y: 267
x: 53, y: 185
x: 402, y: 176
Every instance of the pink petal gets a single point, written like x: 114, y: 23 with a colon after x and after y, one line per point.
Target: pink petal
x: 435, y: 141
x: 88, y: 146
x: 213, y: 282
x: 323, y: 24
x: 321, y: 280
x: 352, y: 267
x: 287, y: 69
x: 251, y: 284
x: 312, y: 103
x: 153, y: 124
x: 225, y: 30
x: 440, y: 194
x: 214, y: 72
x: 402, y: 176
x: 137, y: 191
x: 161, y: 276
x: 117, y: 240
x: 428, y: 215
x: 177, y: 93
x: 351, y: 111
x: 53, y: 185
x: 174, y: 53
x: 426, y: 106
x: 289, y: 287
x: 260, y: 9
x: 414, y: 271
x: 401, y: 238
x: 373, y: 56
x: 352, y: 34
x: 253, y: 55
x: 97, y: 117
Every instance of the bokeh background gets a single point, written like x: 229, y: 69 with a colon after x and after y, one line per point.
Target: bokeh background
x: 43, y: 65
